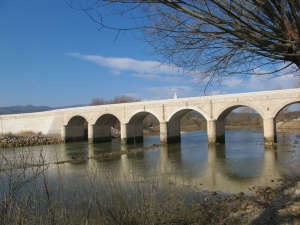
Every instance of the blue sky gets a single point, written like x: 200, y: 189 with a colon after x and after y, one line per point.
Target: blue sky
x: 53, y: 55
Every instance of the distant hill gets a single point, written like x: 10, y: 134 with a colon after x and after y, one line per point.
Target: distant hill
x: 30, y: 109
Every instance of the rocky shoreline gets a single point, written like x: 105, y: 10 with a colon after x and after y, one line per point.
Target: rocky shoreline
x: 17, y: 141
x: 278, y: 205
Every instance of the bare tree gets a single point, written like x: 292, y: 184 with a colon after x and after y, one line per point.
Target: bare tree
x: 98, y: 101
x: 297, y: 82
x: 123, y: 99
x: 211, y: 40
x: 115, y: 100
x: 247, y: 114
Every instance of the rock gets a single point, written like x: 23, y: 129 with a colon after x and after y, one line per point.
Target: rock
x: 27, y: 141
x: 234, y: 197
x: 297, y: 192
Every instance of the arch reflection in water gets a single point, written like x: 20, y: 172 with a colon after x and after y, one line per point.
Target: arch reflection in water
x: 230, y: 168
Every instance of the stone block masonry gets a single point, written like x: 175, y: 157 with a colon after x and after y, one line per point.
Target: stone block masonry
x: 93, y: 123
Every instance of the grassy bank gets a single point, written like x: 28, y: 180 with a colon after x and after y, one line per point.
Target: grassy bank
x: 34, y: 192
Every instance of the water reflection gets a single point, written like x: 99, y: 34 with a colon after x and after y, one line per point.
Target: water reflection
x: 237, y: 165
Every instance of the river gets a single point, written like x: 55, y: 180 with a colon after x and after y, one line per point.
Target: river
x: 239, y: 165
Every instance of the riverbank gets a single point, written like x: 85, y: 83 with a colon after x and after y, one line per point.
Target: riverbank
x: 33, y: 140
x: 288, y: 125
x: 279, y: 205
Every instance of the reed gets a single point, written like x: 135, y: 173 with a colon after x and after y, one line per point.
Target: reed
x: 36, y: 192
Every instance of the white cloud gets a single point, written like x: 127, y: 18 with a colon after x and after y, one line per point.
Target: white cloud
x: 153, y: 70
x: 233, y: 82
x: 123, y: 64
x: 151, y: 76
x: 256, y: 84
x: 115, y: 72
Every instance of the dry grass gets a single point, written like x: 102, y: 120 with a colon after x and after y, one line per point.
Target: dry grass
x: 34, y: 192
x: 27, y: 133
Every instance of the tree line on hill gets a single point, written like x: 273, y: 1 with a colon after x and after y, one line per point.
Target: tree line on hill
x: 115, y: 100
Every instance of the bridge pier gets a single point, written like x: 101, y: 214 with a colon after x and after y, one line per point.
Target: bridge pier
x: 163, y: 128
x: 131, y: 133
x: 212, y: 131
x: 123, y: 133
x: 91, y: 133
x: 63, y: 132
x: 215, y: 131
x: 270, y: 130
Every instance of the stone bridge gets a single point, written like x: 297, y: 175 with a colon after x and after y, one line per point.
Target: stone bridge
x: 69, y: 123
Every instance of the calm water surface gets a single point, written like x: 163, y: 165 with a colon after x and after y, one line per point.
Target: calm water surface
x: 229, y: 168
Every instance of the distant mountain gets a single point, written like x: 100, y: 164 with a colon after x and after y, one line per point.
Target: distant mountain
x: 30, y: 109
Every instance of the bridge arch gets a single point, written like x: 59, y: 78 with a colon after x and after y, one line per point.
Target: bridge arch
x: 140, y: 115
x: 283, y: 104
x: 270, y: 133
x: 75, y: 119
x: 173, y: 127
x: 100, y: 131
x: 187, y: 109
x: 75, y: 129
x: 132, y: 130
x: 224, y: 112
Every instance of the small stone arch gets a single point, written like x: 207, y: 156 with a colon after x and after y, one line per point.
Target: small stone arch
x: 173, y: 128
x: 101, y: 130
x: 139, y: 114
x: 282, y: 105
x: 76, y: 129
x: 133, y: 130
x: 101, y: 118
x: 224, y: 111
x: 188, y: 109
x: 75, y: 119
